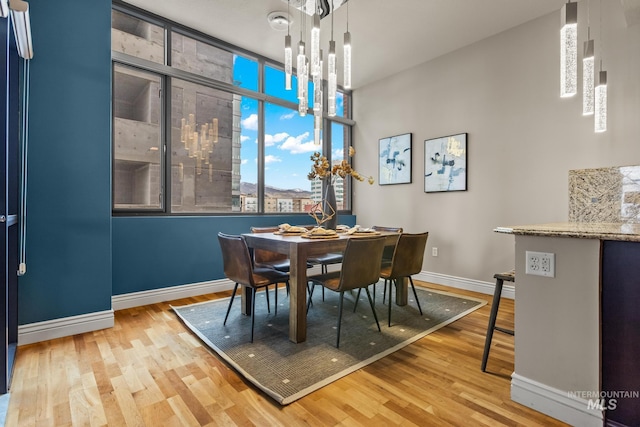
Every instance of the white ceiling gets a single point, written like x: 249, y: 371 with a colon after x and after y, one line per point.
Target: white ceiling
x: 387, y: 36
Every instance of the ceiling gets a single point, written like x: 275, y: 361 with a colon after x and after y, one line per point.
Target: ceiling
x: 387, y: 36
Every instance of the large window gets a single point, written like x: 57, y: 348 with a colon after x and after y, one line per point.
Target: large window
x: 194, y: 133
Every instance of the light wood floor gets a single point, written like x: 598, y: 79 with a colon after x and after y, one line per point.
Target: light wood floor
x: 149, y: 370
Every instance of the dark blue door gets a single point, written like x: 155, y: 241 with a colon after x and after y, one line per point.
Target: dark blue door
x: 9, y: 184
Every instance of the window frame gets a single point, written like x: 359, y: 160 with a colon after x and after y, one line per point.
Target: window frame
x: 167, y: 73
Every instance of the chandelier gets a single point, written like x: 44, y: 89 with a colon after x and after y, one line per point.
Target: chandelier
x: 199, y: 144
x: 312, y: 66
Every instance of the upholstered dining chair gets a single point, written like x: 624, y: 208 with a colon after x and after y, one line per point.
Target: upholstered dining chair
x: 407, y: 261
x: 239, y: 268
x: 360, y: 268
x: 264, y: 258
x: 387, y: 254
x: 268, y: 259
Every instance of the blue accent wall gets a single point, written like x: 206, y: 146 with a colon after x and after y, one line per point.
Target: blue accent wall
x: 78, y: 256
x: 69, y: 193
x: 158, y: 252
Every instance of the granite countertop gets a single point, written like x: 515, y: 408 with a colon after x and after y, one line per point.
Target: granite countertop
x: 582, y: 230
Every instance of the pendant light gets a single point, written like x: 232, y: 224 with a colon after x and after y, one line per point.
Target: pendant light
x: 288, y: 54
x: 301, y: 70
x: 601, y: 102
x: 588, y: 70
x: 588, y: 76
x: 600, y: 122
x: 347, y: 55
x: 315, y: 43
x: 332, y: 83
x: 569, y: 50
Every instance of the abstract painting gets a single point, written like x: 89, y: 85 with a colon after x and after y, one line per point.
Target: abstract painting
x: 395, y: 160
x: 445, y: 163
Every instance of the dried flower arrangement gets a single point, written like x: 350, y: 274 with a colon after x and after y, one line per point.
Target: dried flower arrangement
x: 322, y: 169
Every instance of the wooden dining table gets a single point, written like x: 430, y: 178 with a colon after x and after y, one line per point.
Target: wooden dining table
x: 299, y: 249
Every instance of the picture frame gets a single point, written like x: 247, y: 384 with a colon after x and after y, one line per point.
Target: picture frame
x: 394, y: 160
x: 445, y: 163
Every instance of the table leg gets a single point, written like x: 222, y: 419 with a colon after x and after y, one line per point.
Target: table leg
x: 245, y: 301
x: 297, y: 295
x: 402, y: 291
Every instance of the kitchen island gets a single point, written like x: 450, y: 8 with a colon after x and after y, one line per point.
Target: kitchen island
x: 561, y: 368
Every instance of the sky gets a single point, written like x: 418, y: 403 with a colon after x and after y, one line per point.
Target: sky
x: 288, y: 137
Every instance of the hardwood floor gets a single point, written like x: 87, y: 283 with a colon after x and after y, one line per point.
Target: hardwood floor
x: 148, y: 370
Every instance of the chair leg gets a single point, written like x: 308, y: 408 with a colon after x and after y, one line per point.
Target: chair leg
x: 415, y: 294
x: 310, y: 291
x: 492, y: 322
x: 339, y: 318
x: 276, y: 298
x: 357, y: 299
x: 384, y: 291
x: 373, y: 308
x: 266, y: 291
x: 390, y: 292
x: 253, y: 310
x: 235, y: 288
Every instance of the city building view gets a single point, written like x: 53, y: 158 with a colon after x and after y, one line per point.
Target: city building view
x: 187, y: 137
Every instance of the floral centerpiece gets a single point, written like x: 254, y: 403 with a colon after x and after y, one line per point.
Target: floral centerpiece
x: 324, y: 212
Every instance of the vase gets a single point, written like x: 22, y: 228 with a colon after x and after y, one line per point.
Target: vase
x: 330, y: 208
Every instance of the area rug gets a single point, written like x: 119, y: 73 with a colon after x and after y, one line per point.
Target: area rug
x: 286, y: 371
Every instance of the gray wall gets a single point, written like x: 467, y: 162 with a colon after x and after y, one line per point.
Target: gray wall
x: 523, y: 138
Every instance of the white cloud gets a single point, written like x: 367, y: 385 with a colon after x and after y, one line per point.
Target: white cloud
x: 299, y: 144
x: 244, y: 161
x: 270, y: 140
x: 338, y: 154
x: 288, y: 116
x: 271, y: 159
x: 251, y: 122
x: 244, y: 138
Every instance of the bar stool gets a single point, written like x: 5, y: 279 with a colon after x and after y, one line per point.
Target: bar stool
x: 500, y: 279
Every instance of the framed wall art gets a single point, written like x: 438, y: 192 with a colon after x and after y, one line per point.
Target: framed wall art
x: 394, y: 158
x: 445, y: 164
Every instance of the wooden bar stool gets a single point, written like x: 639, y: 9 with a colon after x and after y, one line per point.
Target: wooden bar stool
x: 500, y: 279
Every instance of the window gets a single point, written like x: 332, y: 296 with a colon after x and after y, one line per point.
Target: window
x: 195, y: 133
x: 136, y: 37
x: 137, y: 139
x: 288, y: 145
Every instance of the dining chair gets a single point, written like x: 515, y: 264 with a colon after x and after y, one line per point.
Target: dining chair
x: 387, y: 254
x: 360, y: 268
x: 265, y: 258
x: 239, y: 268
x: 406, y: 261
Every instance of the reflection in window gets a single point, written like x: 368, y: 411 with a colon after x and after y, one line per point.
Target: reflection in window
x: 204, y: 149
x: 200, y: 58
x: 137, y: 161
x: 136, y: 37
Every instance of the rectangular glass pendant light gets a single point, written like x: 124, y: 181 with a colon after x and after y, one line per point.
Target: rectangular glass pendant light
x: 588, y: 76
x: 601, y: 103
x: 569, y: 50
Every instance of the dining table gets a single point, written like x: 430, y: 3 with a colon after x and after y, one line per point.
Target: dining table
x: 299, y: 248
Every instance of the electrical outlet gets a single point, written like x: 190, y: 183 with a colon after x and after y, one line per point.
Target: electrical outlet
x: 540, y: 264
x: 434, y: 251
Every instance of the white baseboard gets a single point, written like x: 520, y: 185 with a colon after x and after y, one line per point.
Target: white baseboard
x: 553, y: 402
x: 57, y: 328
x: 63, y: 327
x: 154, y: 296
x: 508, y: 291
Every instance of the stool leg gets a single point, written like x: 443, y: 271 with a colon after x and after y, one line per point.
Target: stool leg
x: 492, y: 322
